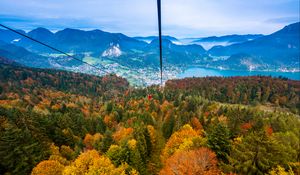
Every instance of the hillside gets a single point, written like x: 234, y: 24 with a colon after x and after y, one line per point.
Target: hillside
x: 58, y: 122
x: 241, y: 90
x: 23, y: 56
x: 15, y: 77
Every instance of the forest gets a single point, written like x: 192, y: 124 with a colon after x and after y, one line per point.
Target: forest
x: 62, y: 123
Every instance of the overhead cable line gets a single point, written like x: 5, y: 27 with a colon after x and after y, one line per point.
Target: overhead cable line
x: 160, y: 40
x: 51, y: 47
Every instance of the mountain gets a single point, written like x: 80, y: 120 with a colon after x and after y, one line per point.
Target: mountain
x: 9, y: 36
x: 23, y: 56
x: 149, y: 55
x: 280, y: 49
x: 242, y: 62
x: 121, y: 48
x: 149, y: 39
x: 174, y: 53
x: 40, y: 34
x: 230, y: 38
x: 7, y: 61
x: 78, y: 41
x: 96, y: 41
x: 116, y: 52
x: 169, y: 45
x: 209, y: 42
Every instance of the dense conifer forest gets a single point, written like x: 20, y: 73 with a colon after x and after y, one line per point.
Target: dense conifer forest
x: 58, y: 122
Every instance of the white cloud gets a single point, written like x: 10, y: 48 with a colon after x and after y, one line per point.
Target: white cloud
x: 138, y: 17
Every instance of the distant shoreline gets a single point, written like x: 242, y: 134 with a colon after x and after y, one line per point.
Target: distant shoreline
x: 202, y: 71
x: 237, y: 70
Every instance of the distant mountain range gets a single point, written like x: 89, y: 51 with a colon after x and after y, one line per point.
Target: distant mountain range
x: 149, y: 39
x: 279, y: 50
x: 229, y: 38
x: 103, y: 44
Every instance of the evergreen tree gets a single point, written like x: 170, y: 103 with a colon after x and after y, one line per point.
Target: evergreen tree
x: 257, y: 154
x: 19, y: 151
x: 219, y: 141
x: 167, y: 127
x: 106, y: 141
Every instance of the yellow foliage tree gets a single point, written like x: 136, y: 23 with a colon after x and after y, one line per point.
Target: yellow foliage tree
x: 132, y: 144
x: 152, y: 134
x: 54, y: 150
x: 280, y: 171
x: 56, y: 155
x: 48, y: 167
x: 91, y: 163
x: 180, y: 140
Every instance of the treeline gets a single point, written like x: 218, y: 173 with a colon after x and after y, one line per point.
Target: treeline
x: 47, y: 130
x: 14, y: 78
x: 241, y: 90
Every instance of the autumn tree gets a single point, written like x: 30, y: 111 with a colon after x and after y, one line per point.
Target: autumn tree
x: 48, y: 167
x: 91, y: 162
x: 280, y: 171
x: 180, y: 140
x: 192, y: 162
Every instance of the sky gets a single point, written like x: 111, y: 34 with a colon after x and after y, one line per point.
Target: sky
x: 180, y: 18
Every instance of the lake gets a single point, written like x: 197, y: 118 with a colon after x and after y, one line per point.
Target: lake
x: 204, y: 72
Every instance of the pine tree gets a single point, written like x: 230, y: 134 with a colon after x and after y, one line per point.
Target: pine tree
x: 219, y: 141
x: 167, y: 127
x: 257, y: 154
x: 19, y: 151
x: 106, y: 141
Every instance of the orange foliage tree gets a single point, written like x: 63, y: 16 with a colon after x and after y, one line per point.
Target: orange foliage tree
x: 196, y: 124
x: 91, y: 140
x: 194, y: 162
x: 122, y: 133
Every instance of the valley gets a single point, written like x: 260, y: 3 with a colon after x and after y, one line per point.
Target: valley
x: 136, y: 58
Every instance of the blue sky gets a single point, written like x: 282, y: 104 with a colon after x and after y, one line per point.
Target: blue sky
x: 180, y: 18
